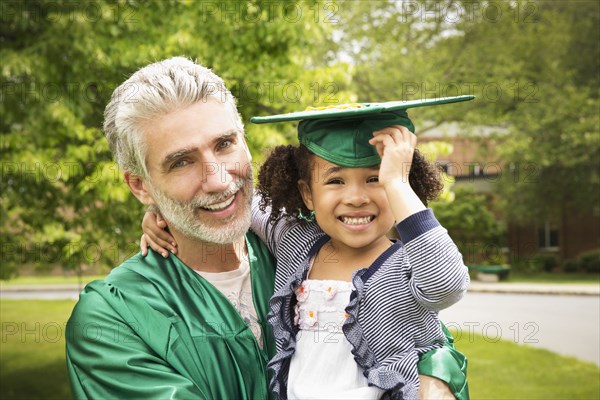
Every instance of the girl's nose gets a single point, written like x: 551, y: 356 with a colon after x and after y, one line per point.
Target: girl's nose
x: 356, y: 196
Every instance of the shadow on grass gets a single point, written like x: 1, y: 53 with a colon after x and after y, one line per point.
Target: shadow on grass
x: 47, y: 381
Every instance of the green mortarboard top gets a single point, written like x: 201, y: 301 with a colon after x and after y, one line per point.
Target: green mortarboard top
x: 340, y: 134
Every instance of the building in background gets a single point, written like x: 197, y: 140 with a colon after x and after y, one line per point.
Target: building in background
x: 474, y: 163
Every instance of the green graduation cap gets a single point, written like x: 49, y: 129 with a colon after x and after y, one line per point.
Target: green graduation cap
x: 340, y: 134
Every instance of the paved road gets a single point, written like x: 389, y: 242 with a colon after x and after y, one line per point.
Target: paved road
x: 569, y: 325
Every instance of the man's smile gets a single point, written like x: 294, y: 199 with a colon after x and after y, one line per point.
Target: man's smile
x: 221, y: 205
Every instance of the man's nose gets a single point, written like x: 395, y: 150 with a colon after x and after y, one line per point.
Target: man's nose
x: 215, y: 177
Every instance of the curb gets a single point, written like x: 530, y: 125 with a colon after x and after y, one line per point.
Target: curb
x: 532, y: 288
x: 475, y: 287
x: 41, y: 288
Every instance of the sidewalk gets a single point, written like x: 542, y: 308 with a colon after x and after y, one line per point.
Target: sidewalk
x: 41, y: 292
x: 535, y: 288
x: 55, y: 287
x: 476, y: 286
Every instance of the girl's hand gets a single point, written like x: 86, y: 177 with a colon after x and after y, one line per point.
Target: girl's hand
x: 396, y: 146
x: 156, y: 236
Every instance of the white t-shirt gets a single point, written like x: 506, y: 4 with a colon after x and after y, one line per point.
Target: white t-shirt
x: 236, y: 286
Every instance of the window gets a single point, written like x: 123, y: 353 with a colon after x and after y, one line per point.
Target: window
x: 548, y: 236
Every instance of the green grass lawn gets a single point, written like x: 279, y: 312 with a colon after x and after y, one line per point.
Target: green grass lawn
x: 32, y: 361
x: 506, y: 370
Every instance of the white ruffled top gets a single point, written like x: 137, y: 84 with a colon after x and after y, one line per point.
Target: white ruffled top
x: 323, y: 366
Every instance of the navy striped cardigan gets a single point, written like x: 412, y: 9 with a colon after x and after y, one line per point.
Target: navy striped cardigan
x: 393, y: 311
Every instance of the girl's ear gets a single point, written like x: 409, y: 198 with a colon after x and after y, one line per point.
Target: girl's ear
x: 306, y: 194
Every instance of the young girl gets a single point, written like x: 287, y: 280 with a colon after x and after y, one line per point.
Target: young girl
x: 352, y: 310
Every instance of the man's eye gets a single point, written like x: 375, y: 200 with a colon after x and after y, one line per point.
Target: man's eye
x: 225, y: 144
x: 373, y: 179
x: 179, y: 164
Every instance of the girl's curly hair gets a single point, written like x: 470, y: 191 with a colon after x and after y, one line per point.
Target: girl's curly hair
x: 279, y: 175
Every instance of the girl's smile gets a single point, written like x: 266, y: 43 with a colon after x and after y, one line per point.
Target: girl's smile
x: 350, y: 205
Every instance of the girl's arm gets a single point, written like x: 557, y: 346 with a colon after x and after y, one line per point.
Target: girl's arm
x: 271, y: 233
x: 155, y: 234
x: 439, y: 277
x: 160, y: 240
x: 260, y: 225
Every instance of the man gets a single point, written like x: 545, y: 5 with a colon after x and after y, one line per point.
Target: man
x: 191, y: 326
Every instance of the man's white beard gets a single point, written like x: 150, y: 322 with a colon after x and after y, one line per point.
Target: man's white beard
x: 182, y: 216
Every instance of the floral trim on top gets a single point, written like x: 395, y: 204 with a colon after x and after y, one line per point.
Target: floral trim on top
x: 318, y: 308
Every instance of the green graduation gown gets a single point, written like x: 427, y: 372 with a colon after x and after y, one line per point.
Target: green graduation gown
x: 156, y: 329
x: 153, y: 328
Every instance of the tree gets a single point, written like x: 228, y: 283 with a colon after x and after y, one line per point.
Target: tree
x: 534, y: 67
x: 62, y: 198
x: 553, y: 150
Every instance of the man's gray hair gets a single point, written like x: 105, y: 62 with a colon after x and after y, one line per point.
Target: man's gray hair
x: 151, y: 92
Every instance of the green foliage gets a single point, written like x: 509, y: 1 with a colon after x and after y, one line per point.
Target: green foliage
x: 62, y: 200
x: 587, y: 262
x: 533, y: 65
x: 542, y: 262
x: 590, y: 261
x: 551, y: 154
x: 571, y: 266
x: 472, y: 226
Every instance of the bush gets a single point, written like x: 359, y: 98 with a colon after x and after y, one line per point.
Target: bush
x: 571, y: 266
x: 543, y: 262
x: 590, y: 261
x: 473, y: 227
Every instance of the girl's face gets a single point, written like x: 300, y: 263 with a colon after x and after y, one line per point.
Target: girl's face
x: 350, y: 204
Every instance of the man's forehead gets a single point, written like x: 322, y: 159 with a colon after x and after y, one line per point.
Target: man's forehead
x: 199, y: 125
x: 200, y: 141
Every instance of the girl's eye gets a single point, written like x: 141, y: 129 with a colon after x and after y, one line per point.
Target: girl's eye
x: 335, y: 182
x: 373, y: 179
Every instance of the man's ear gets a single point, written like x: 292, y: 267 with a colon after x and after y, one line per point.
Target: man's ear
x: 139, y: 188
x: 306, y: 194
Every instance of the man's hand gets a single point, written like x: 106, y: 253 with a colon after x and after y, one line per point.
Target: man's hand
x: 156, y: 236
x: 431, y: 388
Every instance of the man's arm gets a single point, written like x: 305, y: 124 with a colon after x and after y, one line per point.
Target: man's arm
x: 431, y: 388
x: 449, y: 366
x: 106, y: 358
